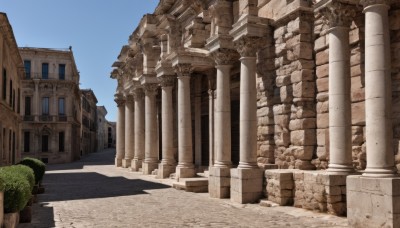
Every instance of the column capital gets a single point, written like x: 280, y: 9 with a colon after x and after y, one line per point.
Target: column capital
x: 225, y: 56
x: 247, y: 46
x: 150, y: 89
x: 119, y: 99
x: 338, y: 14
x: 129, y: 99
x: 367, y: 3
x: 167, y: 80
x: 138, y: 93
x: 183, y: 69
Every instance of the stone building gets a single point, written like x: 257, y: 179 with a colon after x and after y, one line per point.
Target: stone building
x: 50, y: 105
x: 306, y: 90
x: 89, y: 122
x: 102, y: 130
x: 111, y: 134
x: 12, y: 72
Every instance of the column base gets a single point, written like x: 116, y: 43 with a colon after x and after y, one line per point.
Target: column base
x: 118, y: 162
x: 380, y: 172
x: 219, y: 182
x: 136, y: 165
x: 246, y: 185
x: 373, y: 202
x: 165, y: 170
x: 148, y: 167
x: 126, y: 163
x: 340, y: 169
x: 184, y: 172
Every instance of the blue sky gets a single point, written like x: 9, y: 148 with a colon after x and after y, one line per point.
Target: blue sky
x: 96, y: 30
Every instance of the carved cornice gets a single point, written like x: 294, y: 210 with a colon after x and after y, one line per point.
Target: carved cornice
x: 184, y: 69
x: 225, y: 56
x: 167, y: 81
x: 248, y: 46
x: 367, y: 3
x: 338, y: 14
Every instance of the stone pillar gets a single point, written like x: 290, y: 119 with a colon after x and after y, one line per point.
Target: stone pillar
x: 150, y: 162
x: 168, y: 163
x: 378, y: 90
x: 340, y: 133
x: 185, y: 166
x: 372, y: 199
x: 247, y: 179
x: 139, y: 129
x: 211, y: 104
x: 120, y: 154
x: 197, y: 121
x: 129, y: 132
x: 219, y: 179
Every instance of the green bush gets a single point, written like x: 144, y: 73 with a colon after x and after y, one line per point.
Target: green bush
x: 25, y: 171
x: 17, y: 190
x: 37, y: 166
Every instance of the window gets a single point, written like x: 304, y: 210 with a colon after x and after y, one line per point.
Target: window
x: 19, y: 101
x: 27, y: 141
x: 45, y: 106
x: 13, y: 100
x: 27, y: 64
x: 61, y: 106
x: 45, y: 71
x: 28, y: 105
x: 11, y: 93
x: 45, y: 143
x: 61, y: 137
x: 4, y: 84
x: 61, y: 71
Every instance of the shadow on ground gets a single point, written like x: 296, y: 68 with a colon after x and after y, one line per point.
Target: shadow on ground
x: 78, y: 186
x: 105, y: 157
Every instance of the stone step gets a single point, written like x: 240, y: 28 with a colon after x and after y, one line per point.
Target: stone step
x: 267, y: 203
x: 196, y: 184
x: 172, y: 176
x: 154, y: 172
x: 205, y: 174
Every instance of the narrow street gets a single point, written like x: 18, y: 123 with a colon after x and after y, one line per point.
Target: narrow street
x: 94, y: 193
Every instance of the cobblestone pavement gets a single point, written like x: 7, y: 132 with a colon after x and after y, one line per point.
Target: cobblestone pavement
x: 94, y: 193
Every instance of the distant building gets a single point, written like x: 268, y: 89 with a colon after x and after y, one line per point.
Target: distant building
x: 102, y: 131
x: 50, y: 105
x: 11, y: 67
x: 111, y: 134
x: 89, y: 122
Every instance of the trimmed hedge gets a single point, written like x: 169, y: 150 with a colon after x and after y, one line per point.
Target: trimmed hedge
x: 17, y: 190
x: 26, y: 171
x: 37, y: 166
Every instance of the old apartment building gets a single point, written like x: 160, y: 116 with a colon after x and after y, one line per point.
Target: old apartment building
x: 11, y: 73
x: 299, y: 95
x: 89, y: 122
x: 102, y: 128
x: 51, y: 107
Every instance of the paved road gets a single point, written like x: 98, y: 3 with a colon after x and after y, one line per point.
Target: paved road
x: 94, y: 193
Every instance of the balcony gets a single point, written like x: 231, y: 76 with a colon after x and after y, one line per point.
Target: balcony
x: 45, y: 118
x: 50, y: 76
x: 62, y: 118
x: 29, y: 118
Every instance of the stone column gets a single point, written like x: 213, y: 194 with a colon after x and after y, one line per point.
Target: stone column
x: 219, y: 178
x: 139, y: 129
x: 168, y: 163
x: 120, y: 154
x: 185, y: 166
x: 150, y: 162
x: 378, y: 90
x: 340, y: 133
x: 211, y: 94
x: 129, y: 132
x: 247, y: 175
x: 197, y: 121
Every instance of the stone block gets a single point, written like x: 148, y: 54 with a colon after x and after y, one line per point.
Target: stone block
x: 322, y: 57
x: 184, y: 172
x: 322, y: 84
x: 304, y: 90
x: 322, y: 107
x: 149, y: 167
x: 333, y: 190
x: 247, y: 173
x: 219, y: 186
x: 279, y: 174
x: 322, y: 71
x: 126, y: 163
x: 303, y: 137
x: 245, y: 197
x: 300, y: 124
x: 323, y: 120
x: 338, y: 209
x: 302, y: 50
x: 321, y: 43
x: 356, y: 70
x: 164, y: 171
x: 136, y: 165
x: 373, y: 202
x: 332, y: 179
x: 282, y: 80
x: 303, y: 152
x: 118, y: 162
x: 358, y: 113
x: 302, y: 75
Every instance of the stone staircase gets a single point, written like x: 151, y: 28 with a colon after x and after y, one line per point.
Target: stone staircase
x: 195, y: 184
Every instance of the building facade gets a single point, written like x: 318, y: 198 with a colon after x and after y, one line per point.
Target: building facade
x: 102, y: 131
x: 12, y: 72
x: 89, y: 122
x: 111, y: 134
x: 298, y: 95
x: 50, y: 105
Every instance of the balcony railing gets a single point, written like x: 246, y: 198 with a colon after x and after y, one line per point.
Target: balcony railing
x: 62, y: 118
x: 29, y: 118
x: 46, y: 118
x: 50, y: 76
